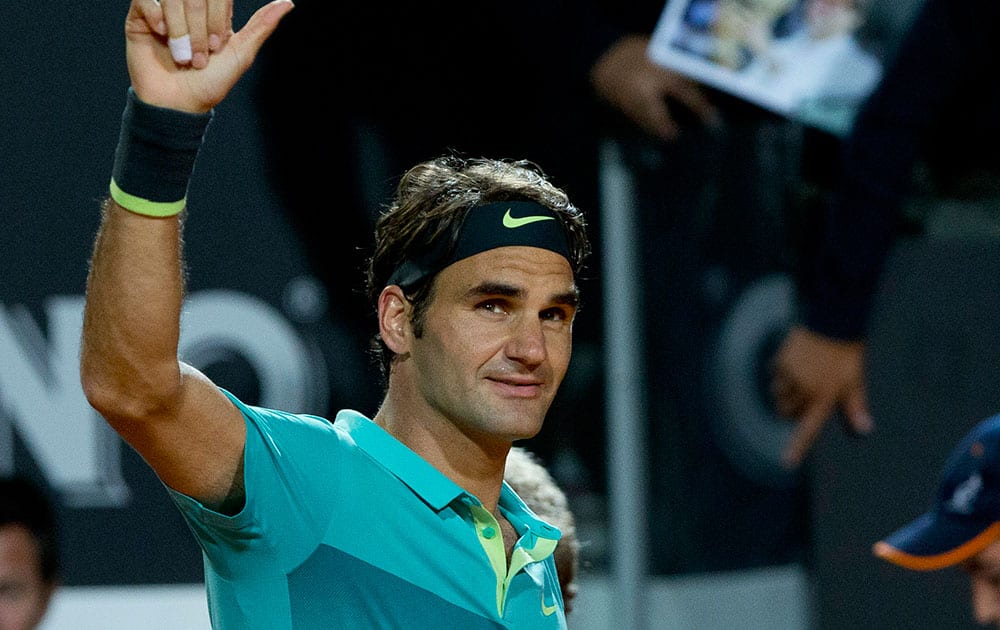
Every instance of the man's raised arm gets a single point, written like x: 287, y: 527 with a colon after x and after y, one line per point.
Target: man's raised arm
x: 181, y: 63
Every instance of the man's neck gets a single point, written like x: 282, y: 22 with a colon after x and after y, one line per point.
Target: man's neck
x: 476, y: 467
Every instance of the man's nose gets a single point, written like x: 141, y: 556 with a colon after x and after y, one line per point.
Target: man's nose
x: 527, y: 341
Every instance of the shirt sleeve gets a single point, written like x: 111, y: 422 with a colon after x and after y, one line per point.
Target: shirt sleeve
x: 283, y: 456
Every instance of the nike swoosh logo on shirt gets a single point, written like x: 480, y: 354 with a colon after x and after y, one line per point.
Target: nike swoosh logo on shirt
x: 516, y: 222
x: 547, y: 610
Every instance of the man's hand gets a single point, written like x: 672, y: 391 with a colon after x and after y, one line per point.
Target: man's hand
x: 625, y: 77
x: 219, y: 57
x: 814, y: 376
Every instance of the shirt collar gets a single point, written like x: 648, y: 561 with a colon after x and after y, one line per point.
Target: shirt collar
x: 427, y: 482
x: 436, y: 490
x: 521, y: 516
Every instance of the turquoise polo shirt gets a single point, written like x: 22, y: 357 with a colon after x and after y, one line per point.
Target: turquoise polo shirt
x: 346, y: 527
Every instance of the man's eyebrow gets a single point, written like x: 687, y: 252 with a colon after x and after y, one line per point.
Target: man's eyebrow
x: 568, y: 298
x: 494, y: 288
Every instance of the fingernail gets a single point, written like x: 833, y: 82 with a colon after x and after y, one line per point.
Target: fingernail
x: 180, y: 48
x: 160, y: 28
x: 200, y: 60
x: 213, y: 42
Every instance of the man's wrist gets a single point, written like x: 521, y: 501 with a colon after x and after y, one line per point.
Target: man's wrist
x: 155, y: 157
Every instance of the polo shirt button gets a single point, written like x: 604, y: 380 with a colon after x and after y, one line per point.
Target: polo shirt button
x: 489, y: 532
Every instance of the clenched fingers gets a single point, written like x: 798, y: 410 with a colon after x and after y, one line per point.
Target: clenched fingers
x: 195, y: 28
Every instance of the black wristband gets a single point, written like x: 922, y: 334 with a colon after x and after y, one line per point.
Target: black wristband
x: 155, y: 157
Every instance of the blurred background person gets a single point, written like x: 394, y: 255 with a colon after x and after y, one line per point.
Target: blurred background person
x: 29, y: 553
x: 710, y: 178
x: 893, y: 336
x: 928, y: 130
x: 962, y: 527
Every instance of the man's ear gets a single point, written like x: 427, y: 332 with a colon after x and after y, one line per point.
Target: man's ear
x: 394, y: 319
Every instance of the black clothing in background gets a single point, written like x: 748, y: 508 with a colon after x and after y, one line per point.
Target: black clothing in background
x: 937, y: 106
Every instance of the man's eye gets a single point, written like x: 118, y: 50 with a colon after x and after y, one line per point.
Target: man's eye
x: 555, y: 315
x: 492, y: 307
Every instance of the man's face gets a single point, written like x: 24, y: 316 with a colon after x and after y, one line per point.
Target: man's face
x: 24, y: 595
x: 984, y: 571
x: 496, y: 342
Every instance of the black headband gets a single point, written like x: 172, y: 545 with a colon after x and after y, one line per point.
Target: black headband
x: 493, y: 225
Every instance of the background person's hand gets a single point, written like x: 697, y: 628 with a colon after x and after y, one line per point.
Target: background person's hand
x: 813, y: 377
x: 219, y: 56
x: 626, y: 78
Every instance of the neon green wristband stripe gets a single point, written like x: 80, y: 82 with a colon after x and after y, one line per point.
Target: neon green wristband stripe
x: 145, y: 207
